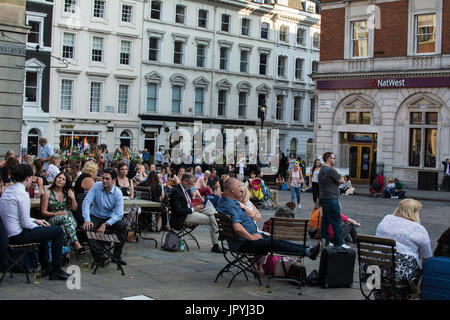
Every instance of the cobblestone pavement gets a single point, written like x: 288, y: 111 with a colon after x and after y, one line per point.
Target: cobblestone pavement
x: 190, y: 275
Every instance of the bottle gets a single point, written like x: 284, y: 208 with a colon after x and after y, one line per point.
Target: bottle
x: 182, y: 244
x: 36, y: 191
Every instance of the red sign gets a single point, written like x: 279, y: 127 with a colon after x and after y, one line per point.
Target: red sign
x: 384, y: 83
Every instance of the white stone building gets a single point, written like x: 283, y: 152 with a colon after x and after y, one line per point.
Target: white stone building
x: 95, y: 94
x: 296, y: 34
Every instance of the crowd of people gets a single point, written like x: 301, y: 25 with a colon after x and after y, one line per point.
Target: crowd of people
x: 390, y: 188
x: 89, y: 194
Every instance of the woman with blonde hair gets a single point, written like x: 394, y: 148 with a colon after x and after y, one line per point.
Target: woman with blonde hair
x: 412, y: 240
x: 53, y: 167
x: 87, y: 178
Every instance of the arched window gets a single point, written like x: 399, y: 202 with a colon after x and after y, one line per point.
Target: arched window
x: 125, y: 139
x: 293, y: 146
x: 33, y: 137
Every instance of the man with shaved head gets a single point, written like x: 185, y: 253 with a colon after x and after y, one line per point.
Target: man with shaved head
x: 249, y: 239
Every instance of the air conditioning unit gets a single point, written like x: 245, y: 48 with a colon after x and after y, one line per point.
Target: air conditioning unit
x: 109, y: 108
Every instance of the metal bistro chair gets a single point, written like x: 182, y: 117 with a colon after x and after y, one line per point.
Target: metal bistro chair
x: 240, y: 261
x: 379, y: 252
x: 5, y: 251
x: 107, y: 242
x: 289, y: 229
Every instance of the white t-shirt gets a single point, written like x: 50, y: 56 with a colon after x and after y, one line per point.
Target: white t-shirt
x: 411, y: 237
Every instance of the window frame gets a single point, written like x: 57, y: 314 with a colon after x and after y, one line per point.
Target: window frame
x: 223, y: 23
x: 179, y: 53
x: 152, y: 10
x: 264, y: 31
x: 103, y: 17
x: 203, y: 19
x: 298, y: 70
x: 99, y: 97
x: 102, y: 61
x: 247, y: 28
x: 224, y: 94
x: 40, y: 20
x: 184, y: 14
x: 297, y: 109
x: 130, y: 53
x: 280, y: 107
x: 243, y: 105
x: 157, y: 50
x: 131, y: 14
x: 263, y: 65
x: 282, y: 66
x: 244, y: 62
x: 284, y: 34
x: 203, y: 56
x: 180, y: 101
x: 353, y: 40
x: 119, y: 98
x: 224, y: 61
x: 199, y: 101
x: 72, y: 5
x: 303, y: 41
x: 73, y: 58
x: 424, y: 128
x: 155, y: 98
x: 415, y: 18
x: 72, y: 89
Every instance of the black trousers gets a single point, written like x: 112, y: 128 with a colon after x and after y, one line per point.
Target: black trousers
x: 119, y: 229
x: 43, y: 235
x: 348, y: 232
x: 315, y: 191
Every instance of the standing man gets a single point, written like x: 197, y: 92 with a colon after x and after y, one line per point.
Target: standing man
x: 106, y: 212
x: 183, y: 210
x: 15, y: 214
x: 46, y: 151
x: 329, y: 180
x: 158, y: 156
x: 446, y: 178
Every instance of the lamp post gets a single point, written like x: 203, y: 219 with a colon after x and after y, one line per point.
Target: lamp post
x: 261, y: 115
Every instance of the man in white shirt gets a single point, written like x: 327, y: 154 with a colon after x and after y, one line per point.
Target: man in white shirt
x: 46, y: 151
x: 15, y: 214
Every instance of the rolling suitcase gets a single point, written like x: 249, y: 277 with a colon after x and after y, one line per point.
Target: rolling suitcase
x: 336, y: 267
x: 436, y: 279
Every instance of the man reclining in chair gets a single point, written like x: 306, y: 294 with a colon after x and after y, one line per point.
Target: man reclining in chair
x: 106, y: 212
x: 183, y: 210
x: 249, y: 240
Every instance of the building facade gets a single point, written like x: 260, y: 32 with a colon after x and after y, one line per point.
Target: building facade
x: 383, y: 87
x: 296, y: 35
x: 95, y: 83
x: 39, y: 16
x: 13, y: 34
x: 216, y: 62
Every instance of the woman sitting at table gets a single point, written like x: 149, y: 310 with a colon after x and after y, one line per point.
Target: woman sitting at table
x: 35, y: 180
x: 141, y: 175
x: 123, y: 182
x: 71, y: 170
x: 87, y: 178
x: 57, y: 205
x: 157, y: 194
x: 202, y: 184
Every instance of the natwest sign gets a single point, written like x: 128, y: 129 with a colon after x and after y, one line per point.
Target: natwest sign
x: 384, y: 83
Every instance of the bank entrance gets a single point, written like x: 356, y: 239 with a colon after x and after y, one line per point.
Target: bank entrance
x: 362, y: 155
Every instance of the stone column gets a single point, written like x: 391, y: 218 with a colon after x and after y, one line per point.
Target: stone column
x: 13, y: 34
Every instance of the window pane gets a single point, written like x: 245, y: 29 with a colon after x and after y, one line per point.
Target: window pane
x: 226, y: 23
x: 178, y: 53
x: 364, y: 118
x: 415, y: 147
x: 312, y: 108
x: 351, y: 117
x: 222, y: 103
x: 200, y: 56
x: 69, y: 6
x: 95, y: 97
x: 68, y: 45
x: 297, y: 108
x: 280, y: 107
x: 262, y: 64
x: 31, y: 87
x: 127, y: 12
x: 244, y: 61
x: 155, y: 11
x: 301, y: 36
x: 223, y: 58
x: 125, y: 50
x: 199, y: 97
x: 202, y: 18
x: 431, y: 118
x: 245, y: 27
x: 360, y: 39
x: 180, y: 12
x: 426, y: 33
x: 154, y: 48
x: 176, y: 99
x: 66, y: 94
x: 99, y: 8
x: 242, y: 104
x: 264, y: 30
x: 416, y: 118
x: 151, y: 97
x: 298, y: 69
x: 430, y: 148
x: 123, y: 98
x: 33, y: 36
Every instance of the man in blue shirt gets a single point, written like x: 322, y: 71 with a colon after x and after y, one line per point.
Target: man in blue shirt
x: 46, y: 151
x: 249, y: 239
x: 159, y: 157
x: 106, y: 212
x: 146, y: 156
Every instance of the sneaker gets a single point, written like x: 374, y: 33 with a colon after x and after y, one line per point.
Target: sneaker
x: 344, y: 246
x: 299, y: 206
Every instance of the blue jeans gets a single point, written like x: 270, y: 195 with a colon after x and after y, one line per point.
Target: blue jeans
x: 264, y: 245
x: 331, y: 214
x: 43, y: 235
x: 388, y: 192
x: 294, y: 192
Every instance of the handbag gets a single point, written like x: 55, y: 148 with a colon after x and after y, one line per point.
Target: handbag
x: 269, y: 264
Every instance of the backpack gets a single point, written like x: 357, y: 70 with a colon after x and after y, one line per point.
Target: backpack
x: 257, y: 191
x: 172, y: 242
x: 270, y: 263
x: 314, y: 224
x: 132, y: 169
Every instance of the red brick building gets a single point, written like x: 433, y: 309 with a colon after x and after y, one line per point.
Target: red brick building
x: 383, y: 87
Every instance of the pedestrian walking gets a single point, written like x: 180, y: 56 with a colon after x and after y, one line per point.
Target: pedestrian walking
x: 295, y: 183
x: 329, y: 180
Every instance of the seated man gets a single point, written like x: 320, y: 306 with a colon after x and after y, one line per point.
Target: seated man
x: 15, y: 214
x: 106, y: 212
x: 215, y: 196
x: 249, y: 239
x: 183, y: 210
x: 399, y: 191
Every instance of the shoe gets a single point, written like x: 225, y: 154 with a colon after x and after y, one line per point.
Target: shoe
x: 330, y: 245
x: 215, y: 248
x: 59, y: 275
x: 81, y: 251
x: 66, y: 259
x: 344, y: 246
x: 299, y: 206
x: 314, y: 252
x: 120, y: 261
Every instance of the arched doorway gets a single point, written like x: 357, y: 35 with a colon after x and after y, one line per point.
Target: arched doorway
x: 32, y: 143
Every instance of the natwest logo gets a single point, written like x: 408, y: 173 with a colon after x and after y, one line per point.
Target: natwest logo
x: 388, y: 83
